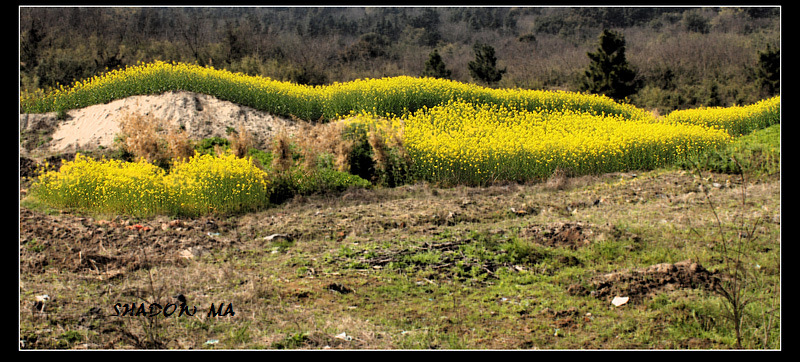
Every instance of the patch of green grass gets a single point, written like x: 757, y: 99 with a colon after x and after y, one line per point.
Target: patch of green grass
x: 35, y: 246
x: 208, y: 145
x: 69, y: 338
x: 263, y: 158
x: 292, y: 341
x: 756, y: 154
x: 687, y: 313
x: 327, y: 180
x: 240, y: 334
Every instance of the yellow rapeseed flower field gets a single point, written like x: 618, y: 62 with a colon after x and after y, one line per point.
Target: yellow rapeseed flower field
x: 451, y: 132
x: 465, y: 143
x: 104, y: 186
x: 393, y: 96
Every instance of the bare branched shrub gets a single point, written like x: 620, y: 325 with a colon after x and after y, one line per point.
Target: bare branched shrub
x: 140, y: 134
x: 740, y: 285
x: 559, y: 180
x: 241, y: 141
x: 281, y: 149
x: 178, y: 144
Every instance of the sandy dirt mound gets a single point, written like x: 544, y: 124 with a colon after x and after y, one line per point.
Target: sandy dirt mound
x: 96, y: 126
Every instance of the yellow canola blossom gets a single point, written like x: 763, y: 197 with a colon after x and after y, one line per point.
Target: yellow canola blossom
x: 736, y: 120
x: 387, y: 97
x: 464, y: 143
x: 450, y: 131
x: 104, y: 186
x: 206, y: 183
x: 199, y: 185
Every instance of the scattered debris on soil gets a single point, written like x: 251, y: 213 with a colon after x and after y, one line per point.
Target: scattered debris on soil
x: 642, y: 283
x: 568, y: 235
x: 108, y: 249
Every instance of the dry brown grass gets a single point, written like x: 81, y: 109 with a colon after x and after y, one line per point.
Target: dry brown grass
x: 313, y: 140
x: 559, y: 180
x: 241, y: 141
x: 380, y: 152
x: 382, y: 139
x: 329, y: 138
x: 179, y: 145
x: 145, y: 137
x: 140, y: 134
x: 281, y: 150
x: 342, y: 153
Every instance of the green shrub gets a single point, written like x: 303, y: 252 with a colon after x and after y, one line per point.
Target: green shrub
x: 208, y: 145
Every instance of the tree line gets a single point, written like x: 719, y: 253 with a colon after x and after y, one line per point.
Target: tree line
x: 658, y: 58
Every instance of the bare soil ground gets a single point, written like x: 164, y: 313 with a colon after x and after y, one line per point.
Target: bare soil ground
x: 395, y: 268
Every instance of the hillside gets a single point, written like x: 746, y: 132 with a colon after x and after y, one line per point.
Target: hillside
x: 685, y: 57
x: 626, y: 260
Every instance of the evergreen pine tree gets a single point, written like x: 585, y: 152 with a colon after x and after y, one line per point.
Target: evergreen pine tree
x: 484, y: 67
x: 769, y: 70
x: 609, y: 72
x: 29, y: 47
x: 435, y: 67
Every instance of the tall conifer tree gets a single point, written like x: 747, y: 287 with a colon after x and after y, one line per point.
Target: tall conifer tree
x: 435, y: 67
x: 609, y: 72
x: 484, y: 67
x: 769, y: 70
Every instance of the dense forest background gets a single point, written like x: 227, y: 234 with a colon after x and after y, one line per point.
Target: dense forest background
x: 682, y: 57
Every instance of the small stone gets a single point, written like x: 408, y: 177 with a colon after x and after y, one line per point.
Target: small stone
x: 276, y: 237
x: 618, y: 301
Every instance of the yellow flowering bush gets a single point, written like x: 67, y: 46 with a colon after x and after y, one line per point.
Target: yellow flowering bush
x: 202, y: 184
x: 225, y: 183
x: 393, y: 96
x: 410, y: 128
x: 105, y: 186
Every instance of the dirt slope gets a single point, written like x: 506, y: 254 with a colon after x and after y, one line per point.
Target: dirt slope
x: 96, y: 126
